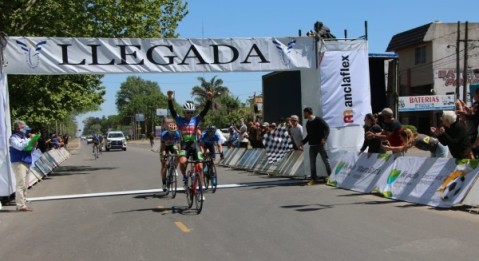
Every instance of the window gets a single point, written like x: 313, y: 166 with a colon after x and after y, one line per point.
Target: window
x: 420, y: 55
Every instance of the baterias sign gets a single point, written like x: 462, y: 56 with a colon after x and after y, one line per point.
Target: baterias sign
x: 34, y: 55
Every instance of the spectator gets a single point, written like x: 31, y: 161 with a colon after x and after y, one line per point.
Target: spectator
x: 152, y: 139
x: 470, y: 116
x: 272, y: 126
x: 296, y: 131
x: 21, y: 161
x: 243, y: 134
x: 454, y: 135
x: 422, y: 142
x: 42, y: 142
x: 54, y: 143
x: 371, y: 131
x: 318, y: 132
x: 254, y: 135
x: 391, y: 129
x: 233, y: 138
x: 65, y: 140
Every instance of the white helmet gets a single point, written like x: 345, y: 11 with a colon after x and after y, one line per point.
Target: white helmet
x: 189, y: 106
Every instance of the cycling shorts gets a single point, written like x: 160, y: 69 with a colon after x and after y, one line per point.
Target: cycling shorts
x: 190, y: 149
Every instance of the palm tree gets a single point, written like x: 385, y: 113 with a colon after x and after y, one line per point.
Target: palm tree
x: 215, y: 86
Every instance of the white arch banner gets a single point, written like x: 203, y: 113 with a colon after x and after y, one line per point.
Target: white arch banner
x: 45, y: 55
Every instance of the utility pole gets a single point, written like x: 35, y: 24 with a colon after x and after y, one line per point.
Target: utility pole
x: 458, y: 41
x: 464, y: 74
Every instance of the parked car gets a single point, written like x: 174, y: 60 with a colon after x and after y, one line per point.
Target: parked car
x: 115, y: 140
x: 226, y: 133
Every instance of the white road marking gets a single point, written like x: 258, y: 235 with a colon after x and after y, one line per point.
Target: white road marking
x: 150, y: 191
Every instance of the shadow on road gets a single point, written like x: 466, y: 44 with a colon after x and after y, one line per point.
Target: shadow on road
x: 182, y: 210
x: 76, y: 170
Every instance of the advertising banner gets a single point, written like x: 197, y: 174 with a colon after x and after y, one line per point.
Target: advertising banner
x: 343, y: 163
x: 344, y: 80
x: 437, y: 182
x: 365, y: 173
x: 48, y: 55
x: 427, y: 103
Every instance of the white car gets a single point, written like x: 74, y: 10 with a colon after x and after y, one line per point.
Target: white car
x: 115, y: 140
x: 89, y: 139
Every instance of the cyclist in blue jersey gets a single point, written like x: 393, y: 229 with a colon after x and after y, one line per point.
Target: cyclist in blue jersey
x: 169, y: 140
x: 188, y: 125
x: 209, y: 138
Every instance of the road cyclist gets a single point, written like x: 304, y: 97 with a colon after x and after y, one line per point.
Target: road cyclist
x: 210, y: 139
x: 96, y: 146
x: 170, y: 139
x: 188, y: 127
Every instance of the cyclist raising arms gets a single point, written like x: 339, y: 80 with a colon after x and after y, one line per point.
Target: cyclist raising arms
x: 188, y: 126
x: 169, y: 139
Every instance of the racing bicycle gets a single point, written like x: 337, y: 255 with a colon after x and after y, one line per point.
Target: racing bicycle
x: 171, y: 175
x: 194, y: 190
x: 209, y: 172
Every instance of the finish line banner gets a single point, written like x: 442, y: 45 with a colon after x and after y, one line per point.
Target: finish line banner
x: 44, y: 55
x: 344, y: 80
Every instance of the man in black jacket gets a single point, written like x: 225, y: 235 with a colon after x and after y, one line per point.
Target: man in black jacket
x: 318, y: 132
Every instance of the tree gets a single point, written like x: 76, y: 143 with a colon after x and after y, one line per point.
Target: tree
x: 40, y: 99
x: 230, y: 113
x: 82, y: 18
x: 215, y: 86
x: 137, y: 95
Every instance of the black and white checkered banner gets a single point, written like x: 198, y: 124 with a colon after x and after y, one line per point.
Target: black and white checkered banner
x: 277, y: 143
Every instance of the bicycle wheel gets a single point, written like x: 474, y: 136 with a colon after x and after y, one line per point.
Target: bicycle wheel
x: 198, y: 192
x: 168, y: 179
x: 173, y: 182
x: 214, y: 178
x: 189, y: 194
x: 206, y: 178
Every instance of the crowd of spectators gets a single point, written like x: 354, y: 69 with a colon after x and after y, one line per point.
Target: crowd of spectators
x: 51, y: 141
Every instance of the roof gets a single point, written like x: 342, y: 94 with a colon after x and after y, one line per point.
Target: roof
x: 408, y: 38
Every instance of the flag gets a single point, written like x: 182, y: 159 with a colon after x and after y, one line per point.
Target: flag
x: 277, y: 143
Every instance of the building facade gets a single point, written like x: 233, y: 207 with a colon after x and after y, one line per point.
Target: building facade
x: 428, y: 61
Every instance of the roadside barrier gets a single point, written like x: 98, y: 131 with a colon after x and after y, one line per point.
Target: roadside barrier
x: 44, y: 165
x: 293, y: 165
x: 235, y: 157
x: 439, y: 182
x: 248, y: 160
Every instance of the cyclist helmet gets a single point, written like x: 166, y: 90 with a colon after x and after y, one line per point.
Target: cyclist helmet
x: 189, y: 106
x: 172, y: 127
x: 211, y: 129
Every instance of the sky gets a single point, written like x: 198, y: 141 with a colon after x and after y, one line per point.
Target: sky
x: 267, y: 18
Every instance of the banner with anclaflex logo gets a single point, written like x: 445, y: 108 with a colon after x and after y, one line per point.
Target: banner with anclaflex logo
x: 46, y: 55
x: 344, y: 80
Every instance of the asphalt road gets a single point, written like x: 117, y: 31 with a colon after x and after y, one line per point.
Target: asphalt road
x: 261, y: 220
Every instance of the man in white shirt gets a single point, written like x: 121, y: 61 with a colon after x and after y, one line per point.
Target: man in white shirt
x: 296, y: 131
x: 21, y: 160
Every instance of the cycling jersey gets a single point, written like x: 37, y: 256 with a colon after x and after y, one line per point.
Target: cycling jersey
x: 170, y: 139
x: 209, y: 139
x: 187, y: 128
